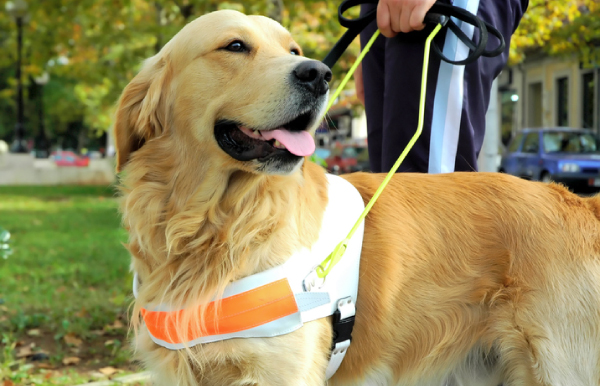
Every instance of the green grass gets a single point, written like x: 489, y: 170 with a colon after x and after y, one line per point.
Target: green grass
x: 67, y: 258
x: 69, y: 272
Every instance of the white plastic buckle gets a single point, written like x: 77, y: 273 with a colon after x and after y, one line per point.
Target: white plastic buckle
x: 337, y: 356
x: 346, y: 307
x: 340, y: 348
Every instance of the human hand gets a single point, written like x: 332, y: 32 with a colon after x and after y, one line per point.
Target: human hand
x: 394, y: 16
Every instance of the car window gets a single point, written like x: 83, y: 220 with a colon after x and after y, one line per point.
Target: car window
x: 589, y: 143
x: 570, y: 142
x: 531, y: 144
x: 515, y: 143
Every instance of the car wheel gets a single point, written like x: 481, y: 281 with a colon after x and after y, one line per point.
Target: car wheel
x: 545, y: 177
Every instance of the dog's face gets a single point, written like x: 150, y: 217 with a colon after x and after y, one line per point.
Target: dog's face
x: 237, y: 86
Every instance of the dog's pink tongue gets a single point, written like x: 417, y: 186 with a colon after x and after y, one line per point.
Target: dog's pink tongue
x: 300, y: 143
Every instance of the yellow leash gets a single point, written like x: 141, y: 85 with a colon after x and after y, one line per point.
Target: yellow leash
x: 326, y: 265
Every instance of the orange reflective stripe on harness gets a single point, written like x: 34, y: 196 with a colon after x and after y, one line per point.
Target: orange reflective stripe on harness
x: 240, y: 312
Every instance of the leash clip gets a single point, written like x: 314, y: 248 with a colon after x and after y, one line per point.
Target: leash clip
x: 312, y: 281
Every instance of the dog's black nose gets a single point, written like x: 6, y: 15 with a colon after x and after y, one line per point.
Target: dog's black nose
x: 313, y: 75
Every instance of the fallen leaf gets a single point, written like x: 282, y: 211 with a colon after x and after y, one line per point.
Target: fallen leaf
x: 34, y: 332
x: 8, y: 383
x: 97, y: 332
x: 24, y: 352
x: 109, y: 342
x: 108, y: 371
x: 117, y: 324
x: 71, y: 361
x: 72, y: 340
x: 46, y: 366
x: 82, y: 313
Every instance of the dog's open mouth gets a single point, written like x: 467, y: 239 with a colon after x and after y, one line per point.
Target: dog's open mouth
x: 245, y: 143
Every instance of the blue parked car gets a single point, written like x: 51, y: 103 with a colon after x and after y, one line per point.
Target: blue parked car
x: 569, y: 156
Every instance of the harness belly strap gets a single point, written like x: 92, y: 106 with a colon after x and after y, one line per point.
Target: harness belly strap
x: 279, y: 300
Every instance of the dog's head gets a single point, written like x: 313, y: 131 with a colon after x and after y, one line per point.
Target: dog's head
x: 233, y: 85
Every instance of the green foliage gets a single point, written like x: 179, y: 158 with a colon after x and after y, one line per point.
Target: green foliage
x: 93, y: 48
x: 559, y: 28
x: 72, y: 273
x: 581, y: 36
x: 71, y: 278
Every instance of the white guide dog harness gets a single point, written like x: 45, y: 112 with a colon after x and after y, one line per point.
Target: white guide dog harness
x: 281, y: 299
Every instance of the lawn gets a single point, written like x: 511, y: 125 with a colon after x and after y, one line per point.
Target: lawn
x: 66, y: 289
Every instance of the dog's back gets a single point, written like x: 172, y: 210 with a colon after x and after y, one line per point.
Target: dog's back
x: 487, y: 276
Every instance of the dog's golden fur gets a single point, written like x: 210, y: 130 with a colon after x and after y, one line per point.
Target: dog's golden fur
x: 483, y: 278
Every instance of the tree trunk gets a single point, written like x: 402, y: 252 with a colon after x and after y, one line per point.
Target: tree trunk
x: 276, y: 10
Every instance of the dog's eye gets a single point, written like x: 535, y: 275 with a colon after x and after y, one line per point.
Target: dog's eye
x: 236, y: 46
x: 295, y: 51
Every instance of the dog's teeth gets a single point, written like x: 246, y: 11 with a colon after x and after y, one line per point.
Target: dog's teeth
x: 278, y: 144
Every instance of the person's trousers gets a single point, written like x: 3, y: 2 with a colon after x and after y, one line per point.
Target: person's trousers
x: 457, y: 96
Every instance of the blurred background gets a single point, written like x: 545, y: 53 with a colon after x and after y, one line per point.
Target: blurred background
x: 65, y: 286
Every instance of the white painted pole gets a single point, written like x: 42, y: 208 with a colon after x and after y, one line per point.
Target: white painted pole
x: 488, y: 157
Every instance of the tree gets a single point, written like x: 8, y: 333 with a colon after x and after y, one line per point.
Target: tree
x: 93, y: 48
x: 581, y: 36
x: 559, y: 28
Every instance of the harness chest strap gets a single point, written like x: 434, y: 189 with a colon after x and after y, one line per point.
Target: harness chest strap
x: 280, y: 300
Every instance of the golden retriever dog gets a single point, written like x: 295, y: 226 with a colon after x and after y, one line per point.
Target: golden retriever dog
x: 474, y: 277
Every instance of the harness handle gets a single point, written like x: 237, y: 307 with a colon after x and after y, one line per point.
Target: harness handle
x: 438, y: 14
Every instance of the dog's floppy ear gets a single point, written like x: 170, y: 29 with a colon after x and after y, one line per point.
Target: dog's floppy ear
x: 141, y: 110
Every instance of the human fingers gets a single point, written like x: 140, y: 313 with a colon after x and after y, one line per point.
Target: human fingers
x: 402, y: 22
x: 417, y: 17
x: 383, y: 19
